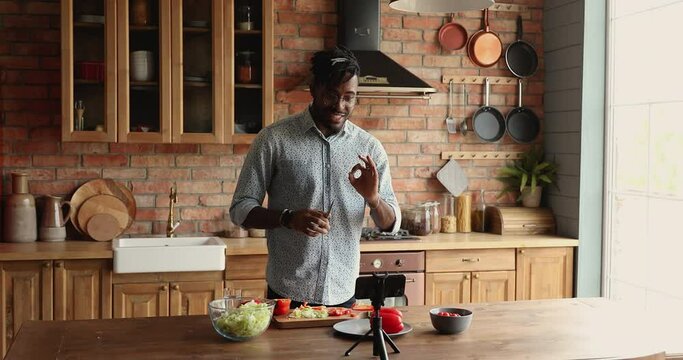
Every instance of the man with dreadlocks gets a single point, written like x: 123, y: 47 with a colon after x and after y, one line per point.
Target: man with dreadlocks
x: 320, y: 171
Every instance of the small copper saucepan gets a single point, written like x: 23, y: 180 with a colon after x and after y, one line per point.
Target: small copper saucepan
x: 452, y: 36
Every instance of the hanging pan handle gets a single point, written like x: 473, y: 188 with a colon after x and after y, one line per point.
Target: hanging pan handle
x: 486, y: 87
x: 486, y: 20
x: 520, y: 32
x: 519, y: 93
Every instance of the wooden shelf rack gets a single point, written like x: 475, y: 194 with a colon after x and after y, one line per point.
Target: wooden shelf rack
x: 478, y: 79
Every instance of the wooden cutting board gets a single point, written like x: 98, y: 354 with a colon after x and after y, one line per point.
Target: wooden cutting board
x: 285, y: 322
x: 103, y: 227
x: 103, y: 204
x: 102, y: 187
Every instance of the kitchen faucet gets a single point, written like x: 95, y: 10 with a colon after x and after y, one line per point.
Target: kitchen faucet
x: 171, y: 225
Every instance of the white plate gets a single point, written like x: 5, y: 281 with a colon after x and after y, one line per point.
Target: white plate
x: 360, y: 326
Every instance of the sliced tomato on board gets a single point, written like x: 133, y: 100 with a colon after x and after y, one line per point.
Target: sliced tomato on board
x: 362, y: 307
x: 282, y: 306
x: 339, y: 311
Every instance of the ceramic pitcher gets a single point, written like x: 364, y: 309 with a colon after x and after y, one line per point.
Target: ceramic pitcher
x: 20, y: 212
x: 52, y: 212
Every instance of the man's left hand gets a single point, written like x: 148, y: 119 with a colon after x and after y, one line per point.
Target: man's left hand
x: 368, y: 182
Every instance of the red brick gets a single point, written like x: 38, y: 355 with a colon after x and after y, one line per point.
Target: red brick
x: 402, y: 173
x: 176, y: 148
x: 35, y: 7
x: 131, y: 148
x: 151, y: 187
x: 388, y: 110
x: 36, y: 49
x: 389, y: 136
x: 13, y: 133
x: 184, y: 200
x: 286, y: 29
x: 199, y: 187
x: 52, y: 187
x: 35, y: 106
x: 314, y: 30
x: 410, y: 184
x: 45, y: 35
x: 84, y: 148
x: 197, y: 160
x: 426, y: 172
x: 211, y: 226
x: 125, y: 173
x: 25, y: 21
x: 50, y: 63
x: 391, y: 47
x: 298, y: 18
x: 241, y: 149
x: 105, y: 160
x: 296, y: 96
x: 426, y: 136
x: 229, y: 187
x: 308, y: 43
x: 370, y: 123
x: 406, y: 123
x: 151, y: 160
x: 16, y: 161
x: 391, y: 21
x: 55, y: 160
x: 9, y: 7
x: 407, y: 60
x: 214, y: 173
x: 329, y: 19
x: 415, y: 160
x: 202, y: 213
x: 38, y: 174
x: 402, y: 148
x: 317, y: 6
x: 231, y: 161
x: 139, y: 228
x: 280, y: 5
x: 443, y: 61
x: 143, y: 214
x: 27, y: 119
x: 216, y: 149
x: 78, y: 174
x: 215, y: 200
x: 175, y: 174
x: 402, y: 34
x: 422, y: 22
x: 23, y: 92
x: 145, y: 201
x: 36, y: 147
x: 421, y: 48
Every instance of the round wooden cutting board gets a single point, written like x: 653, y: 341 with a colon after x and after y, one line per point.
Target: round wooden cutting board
x: 103, y: 227
x: 103, y: 204
x: 101, y: 187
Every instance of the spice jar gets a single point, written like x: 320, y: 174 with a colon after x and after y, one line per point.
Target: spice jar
x: 449, y: 222
x: 417, y: 220
x: 479, y: 214
x: 245, y: 73
x: 435, y: 218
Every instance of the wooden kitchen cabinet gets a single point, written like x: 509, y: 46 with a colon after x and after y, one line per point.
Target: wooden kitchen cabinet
x: 545, y: 273
x: 187, y: 94
x: 26, y: 295
x: 247, y: 272
x: 82, y: 289
x: 164, y: 294
x: 46, y: 290
x: 469, y: 276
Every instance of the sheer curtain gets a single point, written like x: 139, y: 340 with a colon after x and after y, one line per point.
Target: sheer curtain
x: 644, y: 155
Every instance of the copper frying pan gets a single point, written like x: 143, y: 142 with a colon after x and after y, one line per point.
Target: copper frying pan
x: 484, y: 48
x: 452, y: 36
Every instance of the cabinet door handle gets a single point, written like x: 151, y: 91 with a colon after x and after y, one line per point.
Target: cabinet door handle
x: 176, y: 287
x: 476, y: 276
x: 521, y: 251
x: 467, y: 277
x: 46, y: 264
x: 59, y: 264
x: 410, y: 280
x: 164, y: 287
x: 470, y: 259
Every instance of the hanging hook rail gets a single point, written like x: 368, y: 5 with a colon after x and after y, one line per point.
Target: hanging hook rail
x: 476, y: 79
x: 481, y: 155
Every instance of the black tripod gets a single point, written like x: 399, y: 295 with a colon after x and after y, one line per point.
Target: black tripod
x: 378, y: 334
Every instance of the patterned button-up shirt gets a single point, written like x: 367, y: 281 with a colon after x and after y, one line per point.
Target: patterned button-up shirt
x: 299, y: 168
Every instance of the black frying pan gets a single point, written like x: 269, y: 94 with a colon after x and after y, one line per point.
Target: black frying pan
x: 520, y: 56
x: 487, y: 121
x: 522, y: 124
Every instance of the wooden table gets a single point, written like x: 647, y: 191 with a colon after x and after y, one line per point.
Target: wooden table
x: 545, y: 329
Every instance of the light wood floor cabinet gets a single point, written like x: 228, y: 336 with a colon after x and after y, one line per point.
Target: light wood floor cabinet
x: 164, y: 294
x: 248, y: 273
x: 82, y: 289
x: 166, y: 71
x: 465, y: 276
x: 545, y: 273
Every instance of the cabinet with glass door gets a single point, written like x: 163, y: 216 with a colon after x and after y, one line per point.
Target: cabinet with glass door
x: 88, y: 31
x: 249, y: 71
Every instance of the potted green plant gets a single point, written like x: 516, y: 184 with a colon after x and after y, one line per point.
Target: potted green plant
x: 528, y: 175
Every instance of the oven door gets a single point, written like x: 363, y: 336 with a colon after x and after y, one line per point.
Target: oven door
x: 414, y: 293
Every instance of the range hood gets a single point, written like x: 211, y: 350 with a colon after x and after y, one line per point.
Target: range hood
x: 359, y: 30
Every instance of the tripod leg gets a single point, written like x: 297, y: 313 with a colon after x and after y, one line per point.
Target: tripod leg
x: 391, y: 342
x: 378, y: 346
x: 348, y: 352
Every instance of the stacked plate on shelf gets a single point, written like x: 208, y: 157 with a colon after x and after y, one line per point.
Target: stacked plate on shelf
x: 103, y: 209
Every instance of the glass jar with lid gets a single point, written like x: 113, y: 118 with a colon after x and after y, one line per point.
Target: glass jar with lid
x: 417, y: 220
x: 245, y: 71
x: 449, y: 222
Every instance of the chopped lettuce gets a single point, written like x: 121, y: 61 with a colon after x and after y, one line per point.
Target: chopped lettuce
x: 309, y: 313
x: 250, y: 319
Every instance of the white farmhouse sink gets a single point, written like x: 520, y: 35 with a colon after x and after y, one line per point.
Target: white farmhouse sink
x: 143, y: 255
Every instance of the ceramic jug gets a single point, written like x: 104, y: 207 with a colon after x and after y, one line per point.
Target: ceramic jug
x: 19, y: 219
x: 52, y: 221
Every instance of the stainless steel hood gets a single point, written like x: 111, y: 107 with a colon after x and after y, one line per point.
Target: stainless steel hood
x: 380, y: 76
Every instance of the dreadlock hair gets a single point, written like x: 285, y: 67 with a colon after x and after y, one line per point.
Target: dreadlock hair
x: 333, y: 67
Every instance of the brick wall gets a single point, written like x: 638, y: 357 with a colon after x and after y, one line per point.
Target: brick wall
x: 412, y: 131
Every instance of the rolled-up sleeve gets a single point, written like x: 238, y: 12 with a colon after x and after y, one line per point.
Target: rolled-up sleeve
x: 254, y: 179
x: 386, y: 190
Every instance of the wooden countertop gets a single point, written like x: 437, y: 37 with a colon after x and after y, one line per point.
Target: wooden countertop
x: 473, y: 240
x: 542, y: 329
x: 66, y: 250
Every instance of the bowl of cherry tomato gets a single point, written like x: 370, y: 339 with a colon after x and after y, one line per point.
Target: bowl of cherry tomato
x: 450, y: 320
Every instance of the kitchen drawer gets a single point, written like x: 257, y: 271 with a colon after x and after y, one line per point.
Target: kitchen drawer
x: 243, y: 267
x: 470, y: 260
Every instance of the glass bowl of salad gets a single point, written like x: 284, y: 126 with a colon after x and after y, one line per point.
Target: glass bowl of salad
x: 240, y: 318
